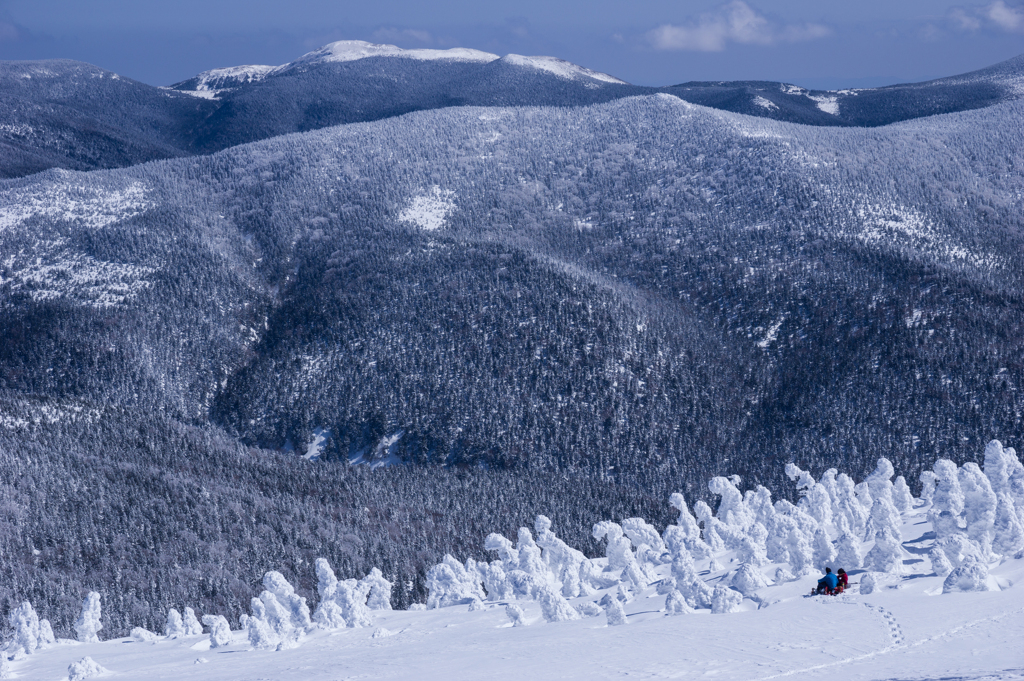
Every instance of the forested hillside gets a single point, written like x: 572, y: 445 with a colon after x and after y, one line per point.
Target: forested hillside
x: 519, y: 310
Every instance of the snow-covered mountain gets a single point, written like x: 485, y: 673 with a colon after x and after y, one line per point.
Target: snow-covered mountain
x: 75, y: 119
x: 211, y: 83
x: 572, y: 308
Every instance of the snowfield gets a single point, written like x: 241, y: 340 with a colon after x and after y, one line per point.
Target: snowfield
x: 907, y: 622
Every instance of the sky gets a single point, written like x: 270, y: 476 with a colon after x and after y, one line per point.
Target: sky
x: 814, y: 43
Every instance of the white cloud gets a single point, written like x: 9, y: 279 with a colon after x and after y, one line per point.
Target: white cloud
x: 997, y: 15
x: 735, y: 22
x: 963, y: 20
x: 1006, y: 17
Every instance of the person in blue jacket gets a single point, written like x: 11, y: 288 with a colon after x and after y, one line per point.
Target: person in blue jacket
x: 827, y: 584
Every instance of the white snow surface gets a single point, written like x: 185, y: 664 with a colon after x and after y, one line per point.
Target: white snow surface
x: 429, y: 211
x: 905, y: 629
x: 827, y: 103
x: 249, y: 73
x: 560, y: 68
x: 765, y: 103
x: 91, y: 206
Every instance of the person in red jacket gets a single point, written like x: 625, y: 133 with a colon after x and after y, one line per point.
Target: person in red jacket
x: 842, y: 580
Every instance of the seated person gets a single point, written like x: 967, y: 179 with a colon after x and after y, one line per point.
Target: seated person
x: 842, y: 578
x: 827, y: 584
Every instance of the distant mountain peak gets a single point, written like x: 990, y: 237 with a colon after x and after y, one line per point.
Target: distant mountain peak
x: 351, y: 50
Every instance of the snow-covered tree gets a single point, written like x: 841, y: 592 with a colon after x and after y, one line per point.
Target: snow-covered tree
x: 86, y: 668
x: 143, y: 635
x: 515, y: 615
x: 640, y: 533
x: 868, y: 584
x: 220, y: 630
x: 379, y: 590
x: 613, y: 610
x: 562, y: 560
x: 618, y: 552
x: 696, y: 592
x: 940, y: 562
x: 351, y: 598
x: 828, y: 482
x: 450, y: 583
x: 958, y: 548
x: 675, y: 604
x: 928, y: 482
x: 979, y: 506
x: 972, y: 575
x: 753, y: 546
x: 884, y: 524
x: 880, y: 481
x: 998, y: 467
x: 506, y: 552
x: 1008, y: 529
x: 530, y: 559
x: 947, y: 500
x: 848, y: 549
x: 816, y: 500
x: 88, y: 624
x: 294, y: 605
x: 759, y: 503
x: 689, y: 527
x: 902, y: 499
x: 887, y: 553
x: 328, y: 613
x: 731, y: 509
x: 748, y: 579
x: 553, y: 606
x: 803, y: 479
x: 343, y: 603
x: 710, y: 533
x: 259, y: 631
x: 30, y: 632
x: 777, y: 542
x: 801, y: 556
x: 803, y: 519
x: 863, y: 493
x: 824, y: 552
x: 496, y: 582
x: 848, y: 506
x: 783, y: 576
x: 175, y: 626
x: 725, y: 600
x: 192, y: 625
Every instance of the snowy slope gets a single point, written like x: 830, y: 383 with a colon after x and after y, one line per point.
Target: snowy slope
x: 901, y: 632
x: 906, y: 629
x: 561, y: 68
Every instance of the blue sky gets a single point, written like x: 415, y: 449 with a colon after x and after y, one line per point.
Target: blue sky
x: 815, y: 43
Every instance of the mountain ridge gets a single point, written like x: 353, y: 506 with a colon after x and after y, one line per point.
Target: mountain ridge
x: 79, y: 120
